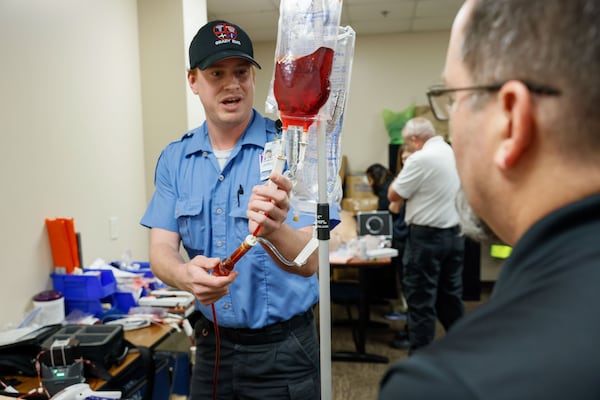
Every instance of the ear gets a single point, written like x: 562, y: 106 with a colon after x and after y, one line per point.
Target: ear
x: 191, y: 76
x: 515, y: 100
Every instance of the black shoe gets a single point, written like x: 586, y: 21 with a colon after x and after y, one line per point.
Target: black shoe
x: 395, y: 316
x: 400, y: 344
x: 401, y: 335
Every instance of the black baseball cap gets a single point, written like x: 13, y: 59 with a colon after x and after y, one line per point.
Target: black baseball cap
x: 218, y: 40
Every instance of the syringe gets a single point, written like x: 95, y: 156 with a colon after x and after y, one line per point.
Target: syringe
x: 226, y: 265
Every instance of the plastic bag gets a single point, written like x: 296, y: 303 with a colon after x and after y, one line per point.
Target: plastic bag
x: 306, y: 39
x: 395, y: 121
x: 305, y: 192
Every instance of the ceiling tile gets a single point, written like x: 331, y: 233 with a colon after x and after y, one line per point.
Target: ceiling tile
x: 260, y: 18
x: 432, y: 24
x: 375, y: 27
x: 376, y: 11
x: 376, y: 2
x: 237, y: 6
x: 437, y: 8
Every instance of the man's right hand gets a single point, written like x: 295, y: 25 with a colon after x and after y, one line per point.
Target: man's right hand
x: 208, y: 288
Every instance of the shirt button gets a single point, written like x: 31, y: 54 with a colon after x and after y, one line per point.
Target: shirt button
x: 205, y: 154
x: 221, y: 177
x: 219, y: 211
x: 227, y: 306
x: 219, y: 243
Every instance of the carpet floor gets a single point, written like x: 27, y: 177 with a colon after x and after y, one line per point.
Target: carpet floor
x: 358, y: 380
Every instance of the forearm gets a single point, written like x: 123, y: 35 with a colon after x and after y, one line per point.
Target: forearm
x: 393, y: 196
x: 395, y: 206
x: 168, y: 264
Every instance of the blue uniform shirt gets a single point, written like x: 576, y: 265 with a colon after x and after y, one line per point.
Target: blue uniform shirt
x: 201, y: 202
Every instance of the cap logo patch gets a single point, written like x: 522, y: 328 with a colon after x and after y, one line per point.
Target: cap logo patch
x: 225, y: 34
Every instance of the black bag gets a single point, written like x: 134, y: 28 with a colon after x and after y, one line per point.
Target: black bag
x: 19, y: 358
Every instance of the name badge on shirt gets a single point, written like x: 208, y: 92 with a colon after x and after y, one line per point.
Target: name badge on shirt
x: 267, y: 157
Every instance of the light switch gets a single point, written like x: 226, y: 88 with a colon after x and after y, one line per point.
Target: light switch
x: 113, y: 228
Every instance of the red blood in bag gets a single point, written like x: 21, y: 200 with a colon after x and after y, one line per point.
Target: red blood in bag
x: 301, y: 85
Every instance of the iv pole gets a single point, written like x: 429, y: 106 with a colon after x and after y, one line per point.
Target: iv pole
x: 287, y: 10
x: 324, y: 267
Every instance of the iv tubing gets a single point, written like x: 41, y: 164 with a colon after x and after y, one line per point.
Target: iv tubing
x: 277, y: 254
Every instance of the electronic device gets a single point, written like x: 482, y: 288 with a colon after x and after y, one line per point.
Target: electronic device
x: 375, y: 223
x: 59, y: 377
x: 61, y: 364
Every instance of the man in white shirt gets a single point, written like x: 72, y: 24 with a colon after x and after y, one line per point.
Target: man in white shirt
x: 432, y: 278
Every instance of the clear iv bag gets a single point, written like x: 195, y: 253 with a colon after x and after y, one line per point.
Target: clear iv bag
x: 306, y: 39
x: 305, y: 191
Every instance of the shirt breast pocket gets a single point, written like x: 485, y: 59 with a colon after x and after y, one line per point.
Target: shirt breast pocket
x: 192, y: 224
x: 240, y: 221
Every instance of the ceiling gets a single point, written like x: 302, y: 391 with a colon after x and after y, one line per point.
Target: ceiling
x: 260, y: 18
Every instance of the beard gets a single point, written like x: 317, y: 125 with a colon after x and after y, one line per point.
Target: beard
x: 471, y: 225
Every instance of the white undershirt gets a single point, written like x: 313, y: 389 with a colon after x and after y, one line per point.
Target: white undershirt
x: 222, y: 156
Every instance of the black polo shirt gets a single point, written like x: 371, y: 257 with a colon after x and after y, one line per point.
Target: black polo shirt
x: 538, y: 337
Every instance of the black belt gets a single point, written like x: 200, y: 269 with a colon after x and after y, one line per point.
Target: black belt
x: 269, y: 334
x: 424, y: 228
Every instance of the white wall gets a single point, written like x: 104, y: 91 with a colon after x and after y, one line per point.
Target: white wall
x: 70, y: 134
x: 170, y: 108
x: 389, y: 71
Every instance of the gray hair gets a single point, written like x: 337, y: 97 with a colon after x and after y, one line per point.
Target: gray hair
x: 419, y: 127
x: 471, y: 225
x: 550, y: 42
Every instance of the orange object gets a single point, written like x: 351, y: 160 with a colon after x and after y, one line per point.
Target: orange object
x: 63, y: 242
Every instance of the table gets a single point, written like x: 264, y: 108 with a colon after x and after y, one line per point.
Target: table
x: 150, y: 337
x: 363, y: 267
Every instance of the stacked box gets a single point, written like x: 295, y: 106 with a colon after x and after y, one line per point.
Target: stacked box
x: 358, y: 195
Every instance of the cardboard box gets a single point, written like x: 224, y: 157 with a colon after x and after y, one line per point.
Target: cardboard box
x: 356, y: 204
x: 357, y: 186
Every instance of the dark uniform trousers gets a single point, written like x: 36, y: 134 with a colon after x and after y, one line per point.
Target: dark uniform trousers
x: 279, y: 362
x: 432, y: 281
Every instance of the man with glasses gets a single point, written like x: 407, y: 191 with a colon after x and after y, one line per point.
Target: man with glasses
x: 521, y: 95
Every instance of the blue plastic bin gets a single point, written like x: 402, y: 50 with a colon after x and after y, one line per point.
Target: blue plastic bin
x: 92, y: 307
x: 92, y: 285
x: 124, y: 301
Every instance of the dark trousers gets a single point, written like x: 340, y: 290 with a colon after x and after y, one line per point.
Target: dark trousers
x: 432, y: 281
x: 278, y: 362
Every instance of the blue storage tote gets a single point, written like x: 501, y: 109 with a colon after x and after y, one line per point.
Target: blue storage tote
x: 124, y: 301
x: 93, y: 307
x: 91, y: 285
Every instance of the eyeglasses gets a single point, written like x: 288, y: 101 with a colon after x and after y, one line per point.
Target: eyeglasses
x: 441, y: 98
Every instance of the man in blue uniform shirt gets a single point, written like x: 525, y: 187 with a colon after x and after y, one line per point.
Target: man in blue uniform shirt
x: 209, y: 196
x: 521, y: 94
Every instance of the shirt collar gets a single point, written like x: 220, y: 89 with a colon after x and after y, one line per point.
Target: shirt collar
x: 433, y: 139
x: 254, y: 134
